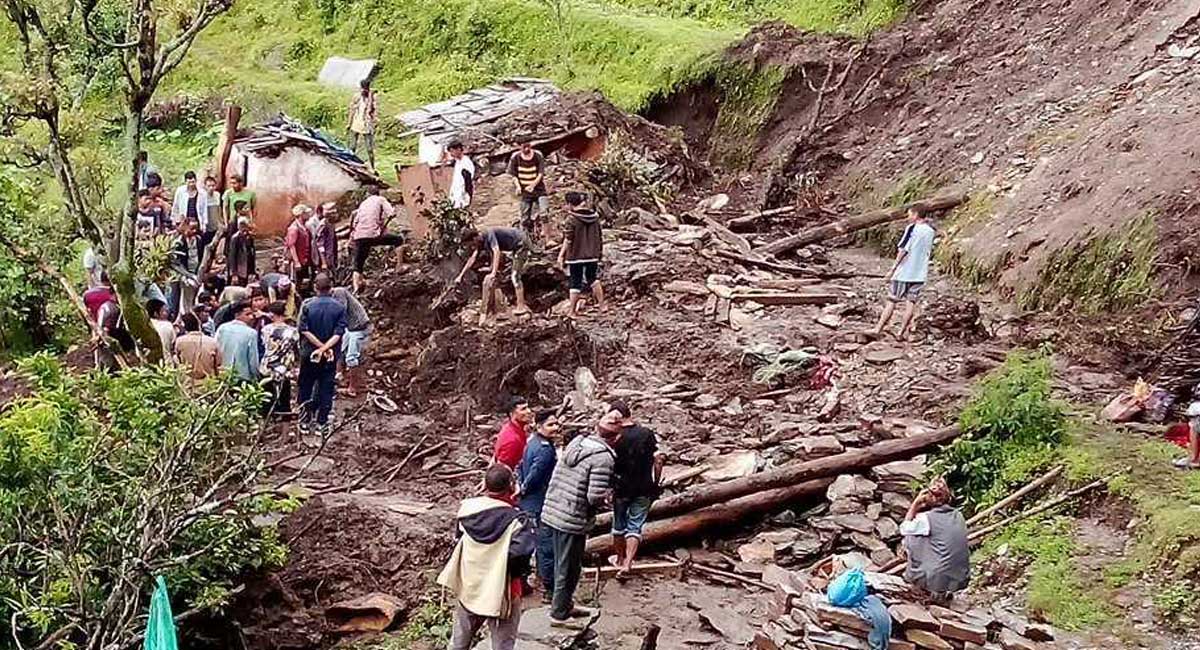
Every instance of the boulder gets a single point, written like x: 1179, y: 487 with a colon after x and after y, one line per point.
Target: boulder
x: 851, y: 486
x: 886, y: 528
x: 854, y: 522
x: 819, y: 446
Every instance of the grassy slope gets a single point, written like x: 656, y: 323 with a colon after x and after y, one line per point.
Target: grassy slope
x: 1164, y: 560
x: 266, y: 56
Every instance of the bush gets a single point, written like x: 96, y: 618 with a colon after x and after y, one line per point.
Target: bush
x: 1011, y: 429
x: 108, y: 481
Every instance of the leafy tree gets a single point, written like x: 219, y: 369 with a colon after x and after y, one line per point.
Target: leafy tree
x: 31, y: 313
x: 69, y: 48
x: 107, y: 481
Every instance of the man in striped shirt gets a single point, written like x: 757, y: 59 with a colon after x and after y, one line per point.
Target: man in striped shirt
x: 527, y: 166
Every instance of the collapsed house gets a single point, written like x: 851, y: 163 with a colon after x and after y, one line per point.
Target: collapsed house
x: 286, y: 162
x: 490, y: 122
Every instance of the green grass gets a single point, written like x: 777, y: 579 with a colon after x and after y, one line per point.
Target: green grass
x: 852, y: 17
x: 1056, y: 589
x: 1099, y: 274
x: 951, y: 255
x: 749, y: 96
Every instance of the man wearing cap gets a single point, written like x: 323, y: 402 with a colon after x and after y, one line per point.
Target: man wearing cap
x: 299, y: 245
x: 277, y: 286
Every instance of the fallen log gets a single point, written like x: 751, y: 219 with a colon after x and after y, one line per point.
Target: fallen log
x: 724, y: 514
x: 791, y: 474
x: 786, y: 297
x: 772, y: 265
x: 859, y: 222
x: 1016, y: 496
x: 749, y: 220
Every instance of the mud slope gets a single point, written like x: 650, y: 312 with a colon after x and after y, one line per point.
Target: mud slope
x: 1074, y: 119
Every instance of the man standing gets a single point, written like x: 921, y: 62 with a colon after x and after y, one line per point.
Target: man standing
x: 93, y: 266
x: 637, y: 474
x: 95, y: 297
x: 161, y: 321
x: 276, y: 286
x: 909, y: 272
x: 935, y: 541
x: 527, y: 166
x: 191, y: 203
x: 354, y: 343
x: 197, y: 352
x: 497, y: 241
x: 462, y: 178
x: 510, y: 443
x: 186, y: 254
x: 298, y: 242
x: 368, y: 229
x: 582, y: 249
x: 324, y: 237
x: 240, y: 252
x: 536, y: 467
x: 322, y: 325
x: 211, y: 221
x: 237, y: 193
x: 279, y: 341
x: 579, y: 487
x: 490, y: 560
x: 361, y: 120
x: 238, y: 341
x: 144, y: 169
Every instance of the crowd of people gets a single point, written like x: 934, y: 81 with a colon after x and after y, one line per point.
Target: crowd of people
x: 542, y: 494
x: 527, y: 533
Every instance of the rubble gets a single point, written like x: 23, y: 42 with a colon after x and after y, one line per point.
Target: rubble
x: 802, y: 617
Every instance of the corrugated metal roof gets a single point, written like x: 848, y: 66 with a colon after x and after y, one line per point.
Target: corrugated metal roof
x: 441, y: 120
x: 268, y: 140
x: 346, y: 73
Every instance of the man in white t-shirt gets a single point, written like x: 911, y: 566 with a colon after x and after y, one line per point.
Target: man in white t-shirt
x: 462, y: 181
x: 909, y: 273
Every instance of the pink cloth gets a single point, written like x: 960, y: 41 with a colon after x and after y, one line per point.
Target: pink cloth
x: 370, y: 216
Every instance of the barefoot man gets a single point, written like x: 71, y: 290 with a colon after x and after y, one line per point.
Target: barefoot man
x: 497, y: 241
x: 909, y: 273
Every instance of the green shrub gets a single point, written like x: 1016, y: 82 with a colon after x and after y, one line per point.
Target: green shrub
x: 1012, y: 427
x: 108, y: 481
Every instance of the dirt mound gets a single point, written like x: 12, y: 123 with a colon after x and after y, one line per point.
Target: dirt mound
x: 1077, y: 147
x: 341, y: 547
x: 492, y: 363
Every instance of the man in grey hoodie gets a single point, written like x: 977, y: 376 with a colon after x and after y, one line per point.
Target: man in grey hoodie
x: 582, y: 250
x: 579, y: 487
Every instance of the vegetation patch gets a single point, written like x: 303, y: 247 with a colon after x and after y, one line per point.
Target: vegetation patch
x: 748, y: 97
x: 1012, y: 428
x: 108, y: 481
x: 429, y: 626
x: 1056, y: 591
x: 951, y: 254
x: 854, y: 17
x: 1112, y: 271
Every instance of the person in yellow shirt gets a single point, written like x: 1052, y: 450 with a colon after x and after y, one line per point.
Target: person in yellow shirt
x: 361, y: 120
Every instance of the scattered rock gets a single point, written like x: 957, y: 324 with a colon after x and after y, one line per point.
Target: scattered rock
x: 707, y: 401
x: 727, y: 623
x: 850, y: 486
x: 734, y: 465
x: 883, y: 556
x: 880, y: 354
x: 758, y: 551
x: 868, y: 543
x: 818, y: 446
x: 886, y: 528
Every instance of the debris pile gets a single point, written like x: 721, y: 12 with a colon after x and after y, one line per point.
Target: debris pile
x: 862, y: 515
x: 801, y: 616
x: 270, y: 139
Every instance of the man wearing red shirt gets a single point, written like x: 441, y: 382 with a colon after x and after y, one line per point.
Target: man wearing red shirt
x: 510, y: 444
x: 299, y: 245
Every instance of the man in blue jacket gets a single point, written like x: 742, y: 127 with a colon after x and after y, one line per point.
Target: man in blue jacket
x: 535, y: 469
x: 322, y: 325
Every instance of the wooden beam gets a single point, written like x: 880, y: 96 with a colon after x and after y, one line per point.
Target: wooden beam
x: 859, y: 222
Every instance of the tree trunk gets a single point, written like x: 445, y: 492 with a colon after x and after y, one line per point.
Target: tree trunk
x: 859, y: 222
x: 794, y: 473
x: 692, y: 524
x: 122, y: 273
